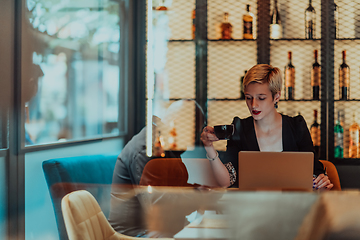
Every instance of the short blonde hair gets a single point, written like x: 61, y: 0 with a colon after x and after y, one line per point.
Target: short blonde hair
x: 264, y: 73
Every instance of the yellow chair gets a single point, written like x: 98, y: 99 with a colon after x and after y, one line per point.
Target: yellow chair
x: 84, y: 219
x: 332, y: 174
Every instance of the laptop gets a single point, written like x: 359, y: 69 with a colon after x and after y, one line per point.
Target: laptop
x: 200, y: 172
x: 275, y: 170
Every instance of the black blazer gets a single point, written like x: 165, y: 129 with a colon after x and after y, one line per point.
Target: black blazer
x: 295, y: 137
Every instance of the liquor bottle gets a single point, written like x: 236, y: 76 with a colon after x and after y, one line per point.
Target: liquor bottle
x: 310, y: 16
x: 226, y: 28
x: 159, y: 146
x: 242, y: 94
x: 248, y: 19
x: 354, y: 138
x: 339, y: 138
x: 193, y: 23
x: 316, y: 77
x: 172, y: 137
x: 336, y: 20
x: 344, y: 78
x: 289, y: 79
x: 162, y: 6
x: 315, y: 133
x: 275, y: 24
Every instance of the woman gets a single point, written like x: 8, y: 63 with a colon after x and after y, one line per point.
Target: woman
x: 264, y: 130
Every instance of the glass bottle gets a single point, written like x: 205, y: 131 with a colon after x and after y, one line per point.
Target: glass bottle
x: 310, y: 16
x: 275, y: 24
x: 159, y: 145
x: 315, y: 133
x: 193, y: 23
x: 162, y: 6
x: 226, y: 28
x: 354, y: 138
x: 289, y: 79
x: 339, y: 138
x: 316, y: 77
x: 242, y: 94
x: 336, y: 20
x: 248, y: 20
x: 344, y: 78
x: 172, y: 137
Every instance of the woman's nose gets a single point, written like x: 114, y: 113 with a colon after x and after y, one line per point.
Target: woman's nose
x: 254, y: 103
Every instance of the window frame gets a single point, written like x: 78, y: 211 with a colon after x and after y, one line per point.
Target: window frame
x: 131, y: 109
x: 123, y: 94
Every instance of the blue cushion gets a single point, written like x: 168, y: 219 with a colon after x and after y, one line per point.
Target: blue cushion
x: 93, y: 173
x: 83, y: 169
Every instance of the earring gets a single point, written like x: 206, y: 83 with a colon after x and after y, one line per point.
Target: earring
x: 276, y: 105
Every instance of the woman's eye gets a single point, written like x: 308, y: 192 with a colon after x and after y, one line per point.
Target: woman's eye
x: 248, y: 98
x: 262, y: 99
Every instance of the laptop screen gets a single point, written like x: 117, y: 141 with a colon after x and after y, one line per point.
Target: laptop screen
x: 275, y: 170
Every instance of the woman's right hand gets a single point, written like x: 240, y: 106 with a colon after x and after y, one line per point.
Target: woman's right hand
x: 208, y: 136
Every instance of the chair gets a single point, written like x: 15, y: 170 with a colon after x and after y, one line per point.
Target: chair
x: 92, y: 173
x: 332, y: 174
x: 84, y: 219
x: 165, y: 172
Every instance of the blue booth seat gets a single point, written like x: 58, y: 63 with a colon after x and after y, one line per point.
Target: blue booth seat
x: 92, y: 173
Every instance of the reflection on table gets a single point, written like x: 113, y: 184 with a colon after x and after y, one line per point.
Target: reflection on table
x: 209, y: 225
x: 203, y: 213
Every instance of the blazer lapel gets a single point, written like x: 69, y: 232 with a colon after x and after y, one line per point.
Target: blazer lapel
x: 251, y: 141
x: 287, y: 135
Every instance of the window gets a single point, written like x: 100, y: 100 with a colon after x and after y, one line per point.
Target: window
x: 70, y: 70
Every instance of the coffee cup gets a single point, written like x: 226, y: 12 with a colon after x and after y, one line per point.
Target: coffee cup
x: 224, y: 132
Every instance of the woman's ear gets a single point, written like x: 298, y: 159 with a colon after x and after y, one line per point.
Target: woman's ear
x: 277, y: 96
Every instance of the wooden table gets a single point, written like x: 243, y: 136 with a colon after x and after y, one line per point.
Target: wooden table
x: 254, y: 215
x: 208, y: 226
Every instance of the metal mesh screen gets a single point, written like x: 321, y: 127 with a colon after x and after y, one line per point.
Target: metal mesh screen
x: 349, y: 18
x: 347, y: 108
x: 302, y: 59
x: 180, y: 18
x: 174, y: 71
x: 348, y: 40
x: 294, y: 40
x: 180, y: 64
x: 228, y: 59
x: 223, y: 112
x: 236, y: 9
x: 292, y: 15
x: 180, y: 68
x: 182, y: 115
x: 227, y: 62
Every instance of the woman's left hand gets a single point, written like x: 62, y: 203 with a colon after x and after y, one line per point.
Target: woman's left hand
x: 322, y: 182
